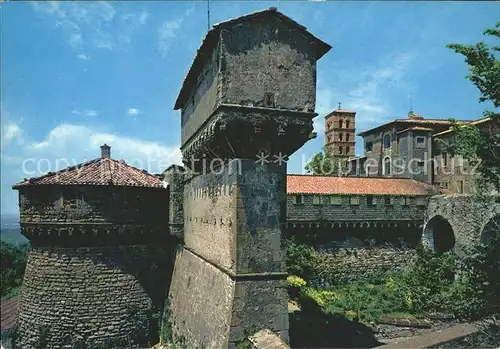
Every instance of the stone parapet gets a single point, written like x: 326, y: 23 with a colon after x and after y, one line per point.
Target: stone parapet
x: 235, y: 131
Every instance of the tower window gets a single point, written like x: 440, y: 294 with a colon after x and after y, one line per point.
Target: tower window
x: 340, y: 150
x: 420, y: 142
x: 347, y: 136
x: 347, y: 150
x: 369, y: 146
x: 316, y: 200
x: 354, y: 200
x: 347, y: 123
x: 341, y: 136
x: 298, y: 199
x: 387, y: 141
x: 370, y: 200
x: 341, y: 123
x: 335, y: 200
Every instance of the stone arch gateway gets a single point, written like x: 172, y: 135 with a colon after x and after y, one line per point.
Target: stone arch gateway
x: 438, y: 235
x: 470, y: 219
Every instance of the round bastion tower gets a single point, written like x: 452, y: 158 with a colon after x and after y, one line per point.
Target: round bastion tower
x: 99, y: 260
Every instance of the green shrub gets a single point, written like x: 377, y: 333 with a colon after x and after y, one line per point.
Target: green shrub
x: 295, y: 285
x: 13, y: 261
x: 476, y: 292
x: 300, y: 258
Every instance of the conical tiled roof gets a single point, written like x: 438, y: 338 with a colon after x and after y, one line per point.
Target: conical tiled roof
x: 101, y: 171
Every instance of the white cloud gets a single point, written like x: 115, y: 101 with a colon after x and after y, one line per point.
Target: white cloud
x: 85, y: 112
x: 133, y: 112
x: 90, y: 113
x: 169, y: 30
x: 143, y: 17
x: 11, y: 132
x: 70, y: 144
x: 96, y: 24
x: 82, y: 56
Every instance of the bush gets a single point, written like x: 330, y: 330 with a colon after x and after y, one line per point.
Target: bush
x: 300, y: 258
x: 13, y: 261
x: 476, y: 293
x: 294, y: 285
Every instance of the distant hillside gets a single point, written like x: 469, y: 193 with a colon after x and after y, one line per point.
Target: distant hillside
x: 10, y: 230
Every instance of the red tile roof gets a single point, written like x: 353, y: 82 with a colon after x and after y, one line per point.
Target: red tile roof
x: 101, y: 171
x: 306, y: 184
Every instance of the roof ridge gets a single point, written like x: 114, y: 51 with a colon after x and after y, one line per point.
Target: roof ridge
x: 99, y: 171
x: 86, y: 163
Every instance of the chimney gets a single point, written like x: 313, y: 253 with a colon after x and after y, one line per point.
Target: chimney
x: 105, y: 151
x: 415, y: 116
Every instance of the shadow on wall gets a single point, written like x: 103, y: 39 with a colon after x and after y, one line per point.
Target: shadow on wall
x: 131, y: 281
x: 312, y: 328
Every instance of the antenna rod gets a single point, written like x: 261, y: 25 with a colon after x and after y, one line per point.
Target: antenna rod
x: 208, y: 13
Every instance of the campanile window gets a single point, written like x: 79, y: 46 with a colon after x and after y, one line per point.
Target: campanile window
x: 387, y: 141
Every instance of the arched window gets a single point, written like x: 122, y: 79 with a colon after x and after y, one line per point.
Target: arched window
x: 347, y: 150
x: 347, y: 124
x: 387, y: 166
x: 387, y: 141
x: 347, y: 137
x: 340, y: 150
x: 341, y: 136
x: 341, y: 123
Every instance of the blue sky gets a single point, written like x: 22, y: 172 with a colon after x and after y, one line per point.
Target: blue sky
x: 75, y: 75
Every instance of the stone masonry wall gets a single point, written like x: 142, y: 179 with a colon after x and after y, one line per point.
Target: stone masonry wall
x: 258, y: 302
x: 92, y: 293
x: 265, y: 57
x: 175, y: 178
x: 466, y: 214
x: 94, y: 204
x: 351, y: 263
x: 201, y: 303
x: 210, y: 206
x: 204, y: 99
x: 362, y: 212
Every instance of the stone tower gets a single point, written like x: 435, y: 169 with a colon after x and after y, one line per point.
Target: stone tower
x: 98, y: 248
x: 247, y: 103
x: 340, y: 137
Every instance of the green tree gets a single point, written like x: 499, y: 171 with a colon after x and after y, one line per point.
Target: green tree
x: 325, y: 164
x: 484, y: 72
x: 13, y: 262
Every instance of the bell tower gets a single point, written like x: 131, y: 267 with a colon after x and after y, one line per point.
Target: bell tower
x: 340, y: 137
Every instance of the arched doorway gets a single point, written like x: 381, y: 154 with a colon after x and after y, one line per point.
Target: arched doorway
x: 438, y: 235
